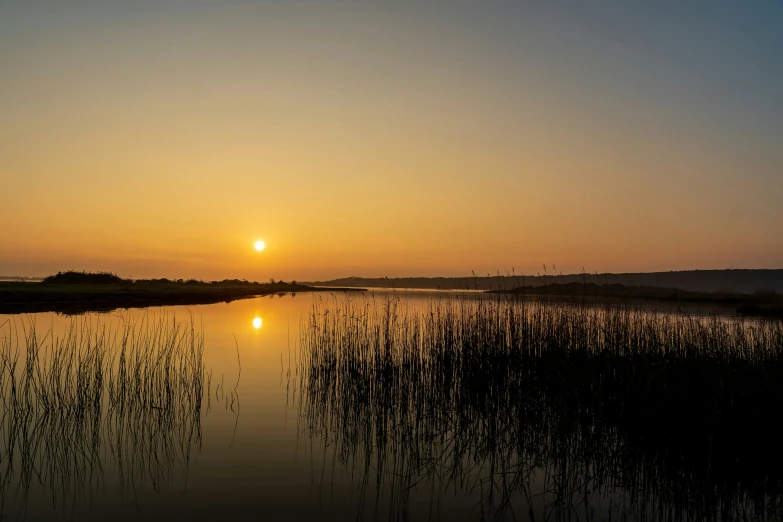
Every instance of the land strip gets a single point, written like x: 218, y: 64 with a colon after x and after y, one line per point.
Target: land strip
x: 18, y: 297
x: 736, y: 281
x: 760, y: 304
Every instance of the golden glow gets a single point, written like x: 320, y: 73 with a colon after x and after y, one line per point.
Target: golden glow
x: 257, y: 323
x: 348, y: 167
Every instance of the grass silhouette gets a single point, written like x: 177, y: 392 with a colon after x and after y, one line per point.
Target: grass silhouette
x: 131, y: 396
x: 547, y: 408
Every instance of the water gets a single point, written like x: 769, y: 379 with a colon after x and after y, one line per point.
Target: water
x: 252, y: 459
x: 248, y: 461
x: 257, y: 456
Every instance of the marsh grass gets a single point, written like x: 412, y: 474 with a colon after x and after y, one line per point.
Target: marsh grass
x: 128, y: 396
x: 547, y: 410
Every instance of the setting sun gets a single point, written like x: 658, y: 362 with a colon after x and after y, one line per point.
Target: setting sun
x: 260, y: 245
x: 257, y: 322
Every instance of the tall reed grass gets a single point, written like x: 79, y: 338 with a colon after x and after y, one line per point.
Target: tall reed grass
x: 129, y: 395
x: 552, y: 410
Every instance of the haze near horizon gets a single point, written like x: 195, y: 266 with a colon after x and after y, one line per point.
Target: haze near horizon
x: 167, y: 138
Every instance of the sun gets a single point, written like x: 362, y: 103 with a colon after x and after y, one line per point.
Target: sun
x: 257, y: 322
x: 260, y: 245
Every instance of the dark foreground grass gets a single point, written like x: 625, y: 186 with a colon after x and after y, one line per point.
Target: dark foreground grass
x: 548, y: 411
x: 95, y: 397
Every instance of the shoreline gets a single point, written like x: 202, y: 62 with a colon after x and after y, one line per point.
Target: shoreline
x: 749, y: 305
x: 25, y: 297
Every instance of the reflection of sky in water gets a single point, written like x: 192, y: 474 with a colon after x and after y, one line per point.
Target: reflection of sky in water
x: 249, y: 463
x: 253, y: 459
x: 262, y: 466
x: 255, y: 469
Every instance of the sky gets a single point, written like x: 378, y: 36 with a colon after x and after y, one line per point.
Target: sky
x: 163, y: 138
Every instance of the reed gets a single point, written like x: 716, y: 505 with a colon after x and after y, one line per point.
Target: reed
x: 547, y: 408
x: 73, y: 403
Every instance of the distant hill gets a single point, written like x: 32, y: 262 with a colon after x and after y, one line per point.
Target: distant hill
x: 728, y: 281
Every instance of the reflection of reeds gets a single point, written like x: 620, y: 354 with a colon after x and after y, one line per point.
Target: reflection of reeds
x: 549, y: 409
x: 135, y: 391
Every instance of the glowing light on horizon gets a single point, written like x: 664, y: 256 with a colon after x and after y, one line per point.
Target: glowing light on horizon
x: 257, y: 323
x: 260, y: 245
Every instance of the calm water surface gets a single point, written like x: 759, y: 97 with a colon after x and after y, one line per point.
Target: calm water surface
x: 253, y: 459
x: 256, y: 457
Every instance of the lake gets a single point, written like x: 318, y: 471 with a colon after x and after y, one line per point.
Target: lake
x: 285, y: 432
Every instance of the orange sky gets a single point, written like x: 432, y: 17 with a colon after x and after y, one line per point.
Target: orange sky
x: 364, y: 140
